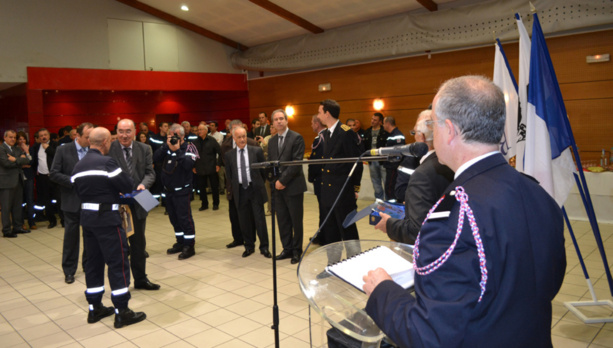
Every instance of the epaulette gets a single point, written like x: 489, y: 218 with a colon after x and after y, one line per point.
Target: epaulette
x: 345, y: 127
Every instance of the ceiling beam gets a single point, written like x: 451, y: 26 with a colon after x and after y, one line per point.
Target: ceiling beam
x: 183, y: 24
x: 429, y: 4
x: 281, y: 12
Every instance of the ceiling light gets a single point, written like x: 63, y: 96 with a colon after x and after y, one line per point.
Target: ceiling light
x: 184, y: 8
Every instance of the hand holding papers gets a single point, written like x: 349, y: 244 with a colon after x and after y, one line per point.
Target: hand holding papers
x: 353, y: 269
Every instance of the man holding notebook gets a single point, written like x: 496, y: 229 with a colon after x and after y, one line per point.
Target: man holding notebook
x: 490, y: 256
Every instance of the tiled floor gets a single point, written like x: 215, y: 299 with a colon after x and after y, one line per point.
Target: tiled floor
x: 216, y: 298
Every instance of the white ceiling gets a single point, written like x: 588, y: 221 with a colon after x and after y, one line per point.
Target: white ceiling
x: 251, y: 25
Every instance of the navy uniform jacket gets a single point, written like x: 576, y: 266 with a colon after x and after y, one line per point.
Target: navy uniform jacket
x: 177, y: 174
x: 317, y: 152
x: 394, y: 138
x: 522, y: 229
x: 99, y: 179
x: 428, y: 183
x: 343, y: 143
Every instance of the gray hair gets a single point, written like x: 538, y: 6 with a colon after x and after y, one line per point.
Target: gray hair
x: 390, y: 120
x: 424, y: 124
x: 236, y: 123
x: 177, y: 127
x: 272, y: 114
x: 475, y: 105
x: 6, y: 132
x: 185, y: 123
x: 204, y: 124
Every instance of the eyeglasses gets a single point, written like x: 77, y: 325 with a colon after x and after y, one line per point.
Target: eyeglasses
x: 413, y: 132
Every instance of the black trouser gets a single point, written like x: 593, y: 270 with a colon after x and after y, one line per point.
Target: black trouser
x: 10, y: 198
x: 106, y: 245
x: 390, y: 183
x: 138, y: 243
x: 333, y: 230
x: 180, y: 214
x: 214, y: 180
x: 237, y: 235
x: 72, y: 243
x: 44, y: 193
x: 249, y: 203
x: 289, y: 211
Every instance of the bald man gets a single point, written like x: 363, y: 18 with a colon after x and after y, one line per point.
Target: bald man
x: 99, y: 180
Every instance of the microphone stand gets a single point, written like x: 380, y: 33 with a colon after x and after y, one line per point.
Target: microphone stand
x: 274, y: 166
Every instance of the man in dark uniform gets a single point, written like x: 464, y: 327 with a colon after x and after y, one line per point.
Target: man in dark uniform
x: 99, y: 180
x: 501, y: 234
x: 157, y: 141
x: 178, y: 158
x: 339, y: 141
x: 394, y: 138
x: 314, y: 174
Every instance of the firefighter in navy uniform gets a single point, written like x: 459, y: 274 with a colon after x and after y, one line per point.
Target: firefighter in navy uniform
x: 98, y: 181
x: 178, y: 158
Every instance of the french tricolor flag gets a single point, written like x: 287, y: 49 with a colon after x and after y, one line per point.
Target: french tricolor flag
x: 547, y: 154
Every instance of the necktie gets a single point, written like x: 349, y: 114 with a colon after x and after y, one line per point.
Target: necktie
x: 262, y: 130
x: 326, y: 139
x: 243, y: 169
x: 82, y: 153
x: 280, y: 143
x: 128, y: 159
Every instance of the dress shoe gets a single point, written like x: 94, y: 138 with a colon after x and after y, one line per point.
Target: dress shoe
x: 10, y: 235
x: 247, y: 252
x: 62, y: 223
x: 147, y: 285
x: 215, y: 207
x: 176, y: 248
x: 33, y: 227
x: 234, y: 244
x: 21, y: 230
x: 203, y: 208
x: 126, y: 316
x: 97, y: 312
x: 69, y: 279
x: 266, y: 253
x: 323, y: 275
x: 188, y: 251
x: 52, y: 224
x: 315, y: 240
x: 285, y: 254
x: 146, y: 254
x: 295, y: 257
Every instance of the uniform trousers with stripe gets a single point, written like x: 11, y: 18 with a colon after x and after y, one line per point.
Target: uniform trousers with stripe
x: 180, y: 214
x: 105, y: 245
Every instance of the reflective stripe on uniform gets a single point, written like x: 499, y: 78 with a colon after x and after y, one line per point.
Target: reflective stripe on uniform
x: 95, y: 173
x: 406, y: 170
x: 119, y: 292
x: 96, y: 206
x: 95, y: 290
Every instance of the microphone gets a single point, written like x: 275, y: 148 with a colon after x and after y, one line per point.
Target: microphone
x: 416, y: 149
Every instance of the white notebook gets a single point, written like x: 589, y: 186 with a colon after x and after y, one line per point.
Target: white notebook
x: 354, y: 268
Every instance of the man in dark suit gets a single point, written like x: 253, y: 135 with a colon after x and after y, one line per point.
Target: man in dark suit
x: 263, y: 130
x: 426, y: 185
x: 339, y: 141
x: 135, y: 158
x: 228, y: 145
x: 501, y: 233
x: 206, y: 166
x: 42, y: 158
x: 290, y: 185
x: 247, y: 187
x: 11, y: 185
x: 66, y: 157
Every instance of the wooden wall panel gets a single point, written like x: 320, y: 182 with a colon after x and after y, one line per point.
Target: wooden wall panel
x: 408, y: 86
